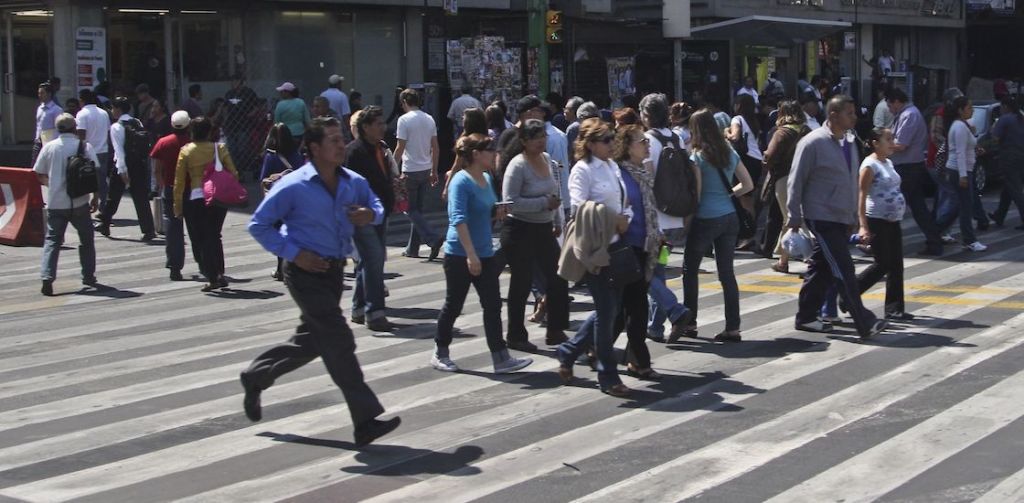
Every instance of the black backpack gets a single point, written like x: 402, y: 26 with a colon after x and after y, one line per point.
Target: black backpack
x: 82, y: 177
x: 137, y: 144
x: 675, y: 187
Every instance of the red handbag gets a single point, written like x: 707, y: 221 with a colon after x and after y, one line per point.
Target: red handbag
x: 220, y: 187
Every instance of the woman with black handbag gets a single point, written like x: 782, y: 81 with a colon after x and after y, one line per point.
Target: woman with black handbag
x: 744, y: 131
x: 596, y: 179
x: 718, y: 221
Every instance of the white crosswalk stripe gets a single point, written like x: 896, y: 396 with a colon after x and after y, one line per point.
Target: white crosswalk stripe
x: 136, y: 398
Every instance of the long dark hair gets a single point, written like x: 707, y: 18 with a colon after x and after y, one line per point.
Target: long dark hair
x: 495, y: 119
x: 951, y: 113
x: 1011, y: 107
x: 708, y: 139
x: 474, y: 122
x: 280, y: 140
x: 749, y: 112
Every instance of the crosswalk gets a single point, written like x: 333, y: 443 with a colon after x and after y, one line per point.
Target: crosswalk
x: 131, y: 394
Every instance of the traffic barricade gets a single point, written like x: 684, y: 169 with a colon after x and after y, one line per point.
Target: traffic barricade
x: 21, y: 208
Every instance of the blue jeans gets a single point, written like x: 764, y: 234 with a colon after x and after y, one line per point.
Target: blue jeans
x: 56, y: 223
x: 663, y: 304
x: 945, y: 195
x: 417, y: 184
x: 967, y: 206
x: 368, y: 297
x: 720, y: 232
x: 174, y: 233
x: 597, y: 331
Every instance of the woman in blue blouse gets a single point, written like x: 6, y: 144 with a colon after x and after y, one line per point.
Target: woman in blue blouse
x: 469, y: 255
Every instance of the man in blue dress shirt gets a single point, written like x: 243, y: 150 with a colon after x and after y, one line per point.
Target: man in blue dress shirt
x: 319, y: 204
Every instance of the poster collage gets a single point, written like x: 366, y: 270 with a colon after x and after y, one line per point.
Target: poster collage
x: 494, y: 71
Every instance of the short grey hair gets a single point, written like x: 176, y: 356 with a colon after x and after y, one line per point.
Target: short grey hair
x: 574, y: 103
x: 587, y: 110
x: 654, y: 110
x: 66, y: 123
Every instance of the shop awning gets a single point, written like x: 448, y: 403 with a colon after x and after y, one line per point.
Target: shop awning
x: 769, y: 30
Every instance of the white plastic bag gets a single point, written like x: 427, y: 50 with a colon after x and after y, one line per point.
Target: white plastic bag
x: 798, y: 244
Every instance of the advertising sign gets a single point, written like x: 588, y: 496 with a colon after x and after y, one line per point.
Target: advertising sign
x: 91, y: 61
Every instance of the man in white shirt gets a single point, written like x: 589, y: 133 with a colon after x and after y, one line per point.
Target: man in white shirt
x: 337, y: 98
x: 749, y: 88
x: 460, y: 105
x: 93, y: 127
x: 46, y: 115
x: 417, y: 154
x: 51, y: 168
x: 132, y: 173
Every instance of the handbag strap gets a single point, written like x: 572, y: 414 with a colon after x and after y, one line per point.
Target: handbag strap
x: 725, y: 181
x: 216, y: 158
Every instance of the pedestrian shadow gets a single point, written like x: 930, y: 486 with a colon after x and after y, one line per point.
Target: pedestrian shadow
x: 236, y: 294
x: 775, y: 348
x: 675, y: 385
x: 581, y: 307
x: 101, y: 290
x: 898, y: 340
x: 413, y: 313
x: 528, y: 380
x: 232, y: 279
x: 394, y: 460
x: 419, y: 331
x: 151, y: 242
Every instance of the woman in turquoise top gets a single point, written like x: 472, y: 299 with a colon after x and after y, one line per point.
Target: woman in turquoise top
x: 716, y: 224
x: 291, y: 110
x: 469, y: 255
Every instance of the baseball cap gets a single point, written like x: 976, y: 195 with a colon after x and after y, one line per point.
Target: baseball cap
x: 180, y: 119
x: 335, y: 79
x: 287, y: 86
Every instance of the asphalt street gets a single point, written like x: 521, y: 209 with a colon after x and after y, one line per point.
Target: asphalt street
x: 130, y: 393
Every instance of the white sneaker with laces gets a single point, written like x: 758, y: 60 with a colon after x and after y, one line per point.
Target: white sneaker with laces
x: 948, y: 239
x: 976, y: 247
x: 443, y: 363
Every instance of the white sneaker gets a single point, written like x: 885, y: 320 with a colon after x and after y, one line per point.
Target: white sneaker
x: 976, y: 247
x: 444, y: 364
x: 948, y: 239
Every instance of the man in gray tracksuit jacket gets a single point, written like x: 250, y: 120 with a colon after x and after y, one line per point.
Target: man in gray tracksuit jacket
x: 823, y: 191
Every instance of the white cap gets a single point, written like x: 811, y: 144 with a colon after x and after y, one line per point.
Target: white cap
x: 180, y: 119
x: 335, y: 79
x: 287, y: 86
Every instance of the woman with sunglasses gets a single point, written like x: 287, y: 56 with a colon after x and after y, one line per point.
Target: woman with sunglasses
x: 529, y: 237
x: 596, y: 177
x: 632, y: 148
x: 469, y: 255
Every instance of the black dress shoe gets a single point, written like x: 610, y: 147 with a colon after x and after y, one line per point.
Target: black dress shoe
x: 522, y: 345
x: 373, y: 429
x: 996, y: 220
x: 149, y: 236
x: 899, y: 316
x: 251, y: 402
x: 410, y: 255
x: 90, y: 281
x: 982, y: 226
x: 47, y: 289
x: 176, y: 275
x: 435, y: 250
x: 103, y: 229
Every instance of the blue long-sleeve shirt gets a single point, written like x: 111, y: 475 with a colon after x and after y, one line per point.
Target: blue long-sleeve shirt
x: 314, y: 219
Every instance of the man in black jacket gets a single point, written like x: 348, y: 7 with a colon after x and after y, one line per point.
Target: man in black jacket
x: 369, y: 156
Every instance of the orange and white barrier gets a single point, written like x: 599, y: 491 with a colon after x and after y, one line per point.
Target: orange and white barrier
x: 21, y: 208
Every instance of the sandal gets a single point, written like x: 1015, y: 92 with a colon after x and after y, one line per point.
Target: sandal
x: 540, y: 311
x: 648, y: 374
x: 777, y: 267
x: 617, y: 391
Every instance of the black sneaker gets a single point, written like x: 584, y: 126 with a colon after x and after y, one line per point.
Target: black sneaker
x: 899, y: 316
x: 103, y: 229
x: 728, y: 337
x: 149, y: 236
x: 47, y: 288
x: 875, y: 329
x: 373, y: 429
x: 435, y: 250
x: 251, y: 402
x: 176, y: 275
x: 90, y: 281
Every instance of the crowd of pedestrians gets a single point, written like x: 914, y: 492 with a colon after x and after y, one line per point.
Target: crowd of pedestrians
x: 575, y: 204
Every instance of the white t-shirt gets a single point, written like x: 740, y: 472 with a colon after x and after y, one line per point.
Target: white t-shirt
x: 417, y: 129
x: 753, y: 150
x: 885, y: 64
x: 95, y: 122
x: 665, y: 222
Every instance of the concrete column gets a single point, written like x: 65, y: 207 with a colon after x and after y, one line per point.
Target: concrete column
x: 415, y: 38
x: 67, y: 17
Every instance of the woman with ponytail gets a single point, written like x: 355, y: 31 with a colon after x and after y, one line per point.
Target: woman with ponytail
x: 469, y: 254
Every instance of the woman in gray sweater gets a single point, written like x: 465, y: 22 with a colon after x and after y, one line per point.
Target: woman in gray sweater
x: 529, y: 236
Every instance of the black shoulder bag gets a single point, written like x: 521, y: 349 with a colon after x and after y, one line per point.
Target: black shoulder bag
x: 747, y: 225
x: 623, y: 267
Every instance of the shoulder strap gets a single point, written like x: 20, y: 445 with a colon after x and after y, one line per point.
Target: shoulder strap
x: 287, y: 165
x: 81, y: 148
x: 216, y: 158
x: 725, y: 181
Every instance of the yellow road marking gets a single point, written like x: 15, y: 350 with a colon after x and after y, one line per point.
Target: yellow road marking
x: 909, y: 286
x: 916, y: 299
